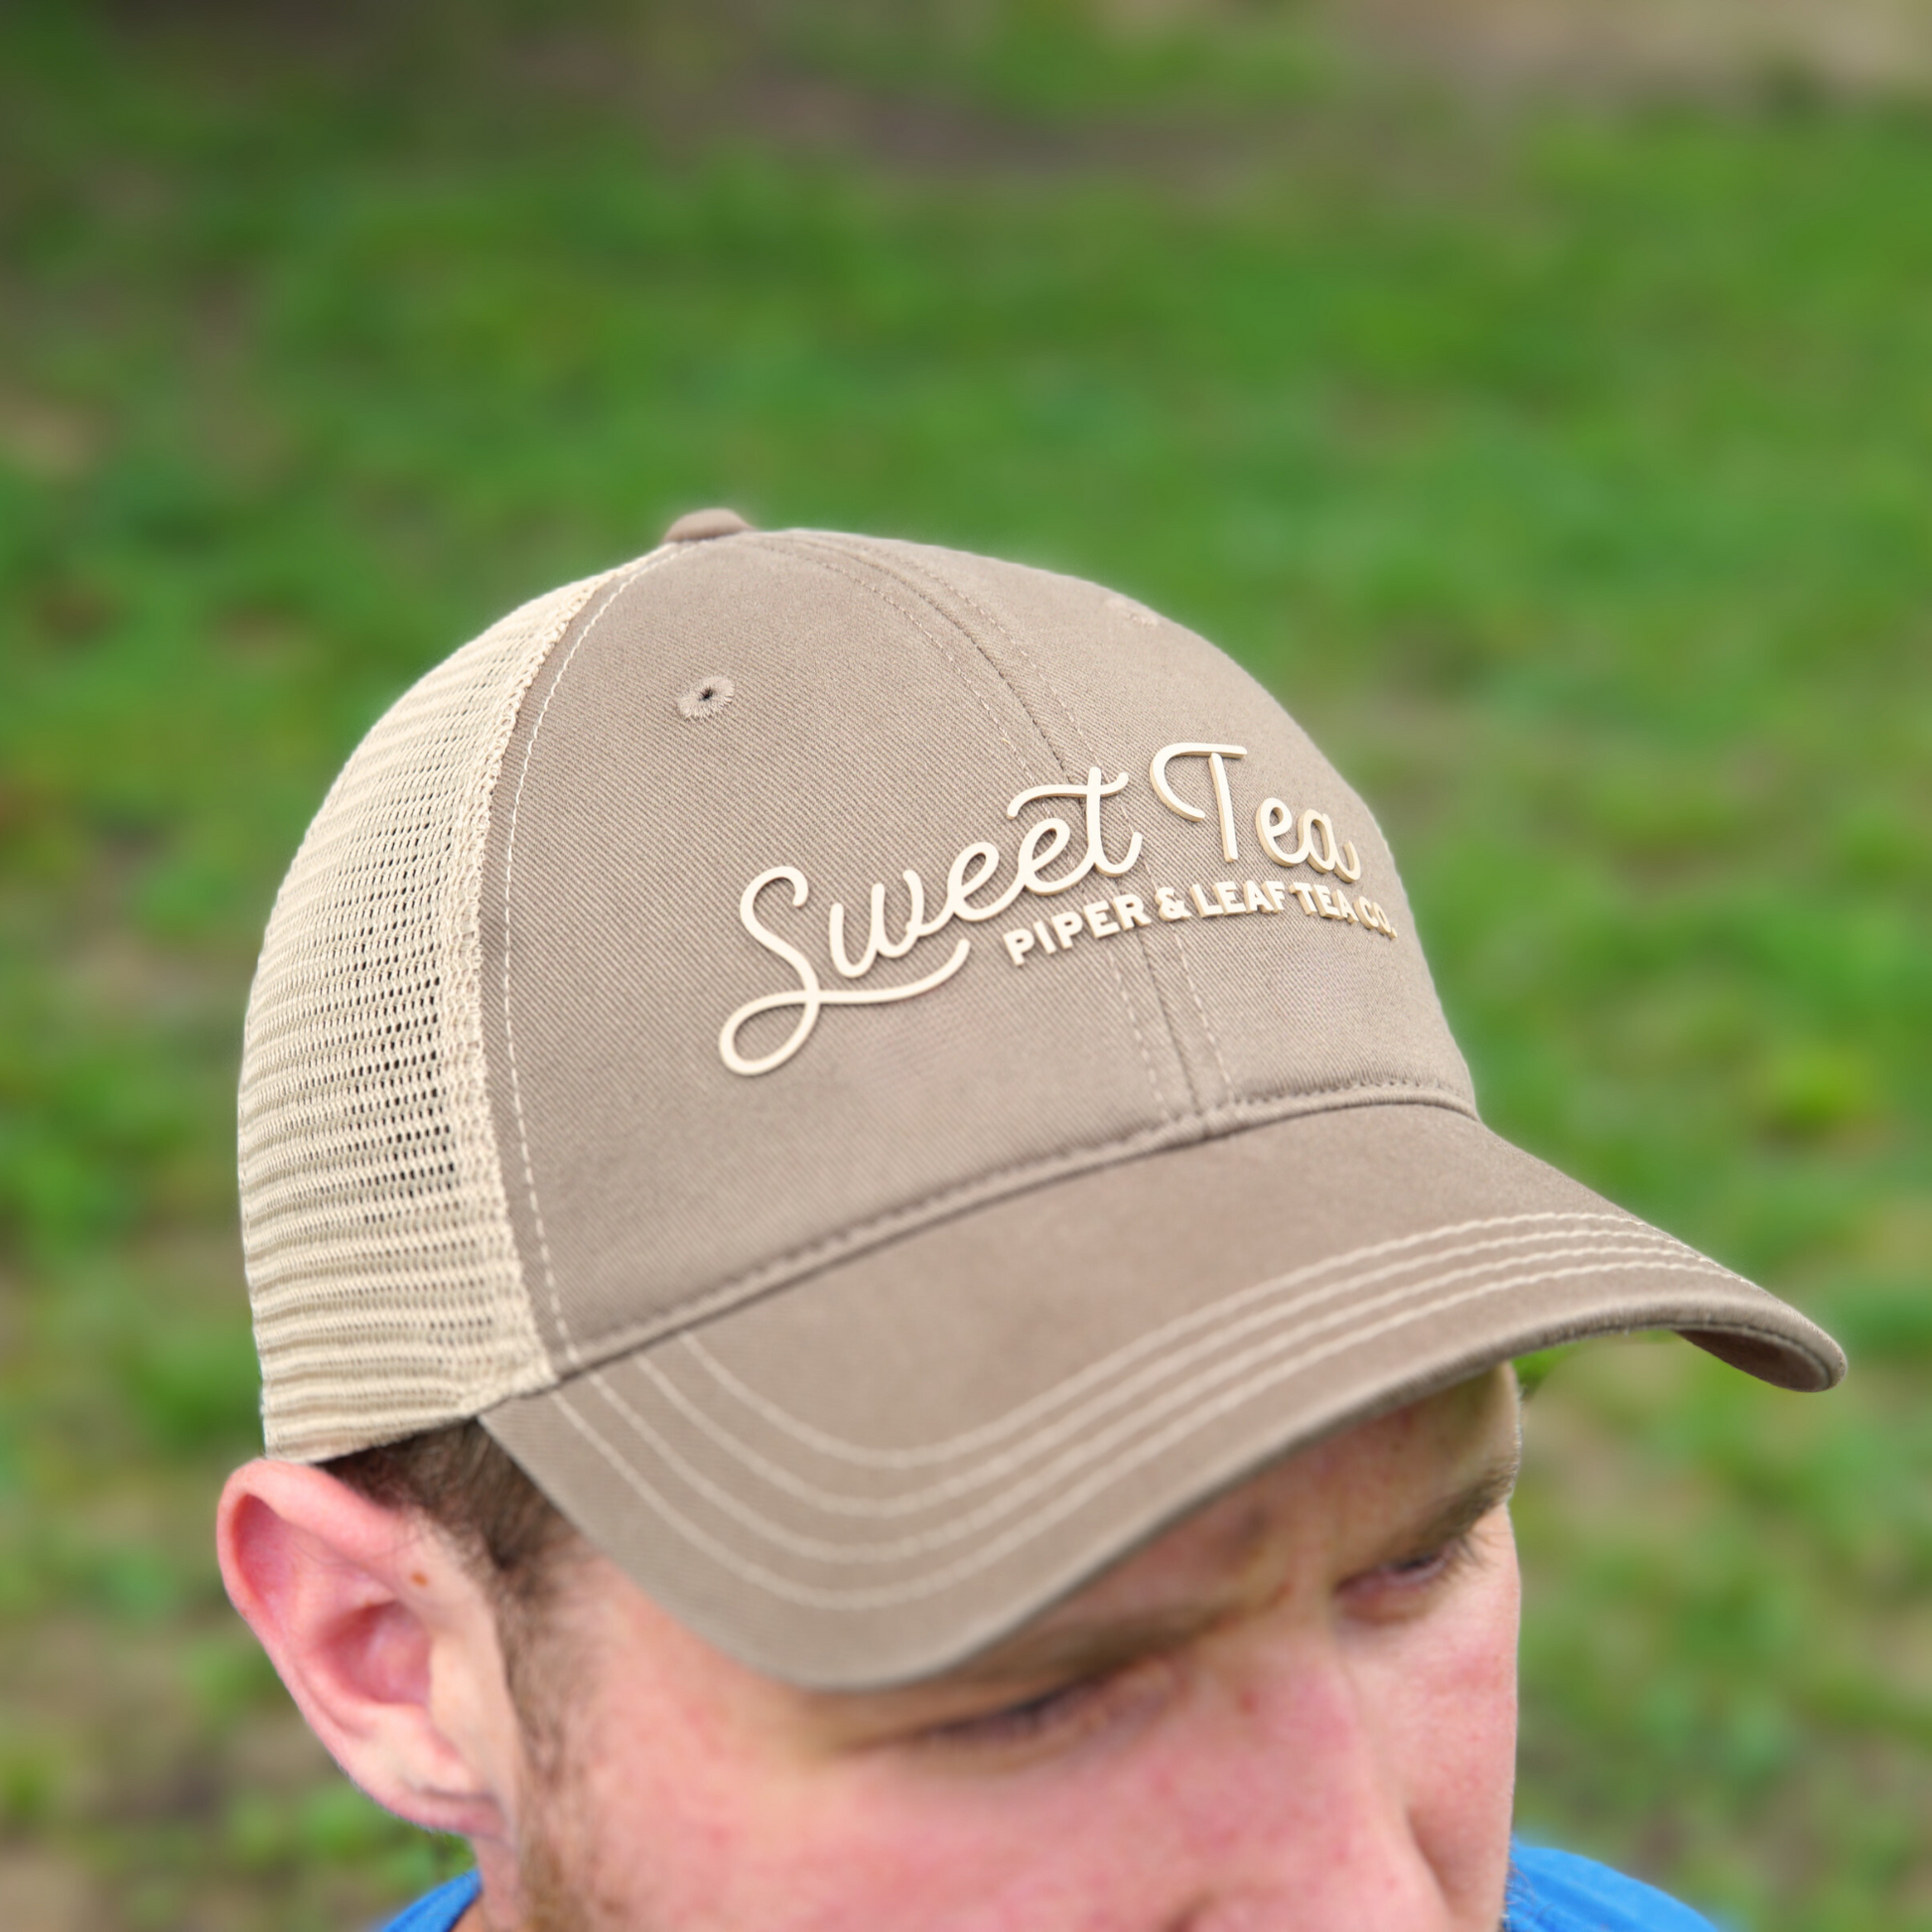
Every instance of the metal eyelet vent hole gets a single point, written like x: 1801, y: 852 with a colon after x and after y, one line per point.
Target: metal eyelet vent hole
x: 707, y: 698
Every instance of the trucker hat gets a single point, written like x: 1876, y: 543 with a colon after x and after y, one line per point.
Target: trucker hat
x: 883, y: 1078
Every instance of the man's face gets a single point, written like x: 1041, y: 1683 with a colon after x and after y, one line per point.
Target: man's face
x: 1292, y: 1713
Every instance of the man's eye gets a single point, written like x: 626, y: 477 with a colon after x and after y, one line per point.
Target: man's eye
x: 1027, y: 1722
x: 1424, y: 1568
x: 1410, y: 1579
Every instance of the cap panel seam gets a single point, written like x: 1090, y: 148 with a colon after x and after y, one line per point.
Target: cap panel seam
x: 1140, y: 1039
x: 1194, y: 1103
x: 1031, y: 657
x: 623, y: 581
x: 847, y: 547
x: 908, y: 1217
x: 1207, y: 1026
x: 806, y: 552
x: 815, y: 543
x: 891, y: 561
x: 898, y: 564
x: 394, y: 1172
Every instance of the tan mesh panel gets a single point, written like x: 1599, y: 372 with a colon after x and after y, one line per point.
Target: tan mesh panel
x: 388, y: 1292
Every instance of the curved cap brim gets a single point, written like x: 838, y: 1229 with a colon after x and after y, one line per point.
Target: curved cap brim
x: 883, y: 1468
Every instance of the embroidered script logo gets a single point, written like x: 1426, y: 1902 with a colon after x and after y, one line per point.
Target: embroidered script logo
x: 971, y: 897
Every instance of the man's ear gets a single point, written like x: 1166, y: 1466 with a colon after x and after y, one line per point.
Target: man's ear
x: 384, y: 1640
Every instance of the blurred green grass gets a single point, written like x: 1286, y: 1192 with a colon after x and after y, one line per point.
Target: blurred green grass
x: 1566, y: 471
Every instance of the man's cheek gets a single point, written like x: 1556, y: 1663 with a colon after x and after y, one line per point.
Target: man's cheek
x: 991, y: 1864
x: 692, y: 1840
x: 655, y: 1817
x: 1034, y: 1854
x: 1451, y: 1727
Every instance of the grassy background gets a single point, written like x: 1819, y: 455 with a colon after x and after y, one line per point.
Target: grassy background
x: 1565, y: 471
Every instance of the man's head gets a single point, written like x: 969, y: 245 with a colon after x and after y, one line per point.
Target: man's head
x: 1294, y: 1709
x: 850, y: 1165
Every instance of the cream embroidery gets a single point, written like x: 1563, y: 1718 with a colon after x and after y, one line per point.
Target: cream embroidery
x: 1272, y: 818
x: 971, y: 872
x: 970, y: 897
x: 1216, y: 757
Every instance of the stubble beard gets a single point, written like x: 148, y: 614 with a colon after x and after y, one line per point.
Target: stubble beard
x: 558, y: 1872
x: 559, y: 1858
x: 550, y: 1897
x: 563, y: 1890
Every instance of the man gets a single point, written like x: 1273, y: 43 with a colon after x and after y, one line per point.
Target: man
x: 881, y: 1301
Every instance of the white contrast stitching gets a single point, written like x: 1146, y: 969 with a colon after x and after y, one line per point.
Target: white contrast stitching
x: 912, y: 1217
x: 1143, y: 1384
x: 622, y: 582
x: 880, y: 559
x: 1070, y: 1499
x: 1207, y: 1026
x: 1096, y: 1373
x: 889, y: 564
x: 1140, y: 1039
x: 813, y: 555
x: 1132, y: 1019
x: 1092, y: 1450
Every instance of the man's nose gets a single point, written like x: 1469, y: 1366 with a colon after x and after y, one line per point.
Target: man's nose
x: 1294, y: 1811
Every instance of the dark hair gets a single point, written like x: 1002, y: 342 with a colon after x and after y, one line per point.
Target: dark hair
x: 510, y: 1535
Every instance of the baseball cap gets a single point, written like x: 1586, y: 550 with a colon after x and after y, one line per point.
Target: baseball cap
x: 883, y: 1078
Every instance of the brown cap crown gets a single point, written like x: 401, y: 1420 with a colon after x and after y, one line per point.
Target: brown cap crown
x: 825, y: 1043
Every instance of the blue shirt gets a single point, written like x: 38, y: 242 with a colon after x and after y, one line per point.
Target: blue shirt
x: 1557, y: 1891
x: 1549, y: 1891
x: 439, y: 1909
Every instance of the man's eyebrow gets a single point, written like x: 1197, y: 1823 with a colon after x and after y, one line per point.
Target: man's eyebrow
x: 1459, y: 1513
x: 1078, y: 1650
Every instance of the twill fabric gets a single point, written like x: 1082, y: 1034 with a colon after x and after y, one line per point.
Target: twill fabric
x: 883, y: 1078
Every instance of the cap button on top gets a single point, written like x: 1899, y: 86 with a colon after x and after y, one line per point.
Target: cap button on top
x: 694, y: 526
